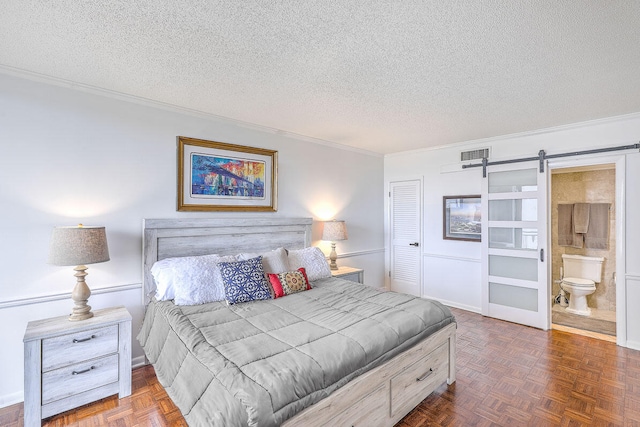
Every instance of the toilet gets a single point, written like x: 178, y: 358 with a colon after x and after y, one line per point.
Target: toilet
x: 580, y: 275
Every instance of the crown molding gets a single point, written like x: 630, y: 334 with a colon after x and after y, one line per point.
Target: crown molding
x: 95, y: 90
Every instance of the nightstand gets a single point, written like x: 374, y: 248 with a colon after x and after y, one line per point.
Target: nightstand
x: 349, y: 273
x: 69, y: 364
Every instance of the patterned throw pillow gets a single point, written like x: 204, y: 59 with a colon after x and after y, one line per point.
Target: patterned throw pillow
x: 289, y: 282
x: 244, y: 281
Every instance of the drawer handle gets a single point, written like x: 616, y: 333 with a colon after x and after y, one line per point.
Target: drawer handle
x: 424, y: 377
x: 75, y: 340
x: 83, y: 371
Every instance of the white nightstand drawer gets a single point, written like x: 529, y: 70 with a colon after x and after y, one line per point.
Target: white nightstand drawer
x: 98, y: 349
x: 77, y: 347
x: 75, y: 379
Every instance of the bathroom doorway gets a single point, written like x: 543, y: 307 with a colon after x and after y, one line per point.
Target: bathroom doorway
x: 590, y: 185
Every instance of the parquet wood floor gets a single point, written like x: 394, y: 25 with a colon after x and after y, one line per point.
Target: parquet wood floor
x: 507, y: 375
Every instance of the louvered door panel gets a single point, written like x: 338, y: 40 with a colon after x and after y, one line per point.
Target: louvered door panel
x: 406, y: 230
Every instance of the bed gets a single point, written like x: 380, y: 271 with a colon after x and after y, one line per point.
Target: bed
x: 340, y: 353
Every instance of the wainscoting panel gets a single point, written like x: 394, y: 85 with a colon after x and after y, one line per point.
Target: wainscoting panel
x: 633, y: 314
x: 455, y: 281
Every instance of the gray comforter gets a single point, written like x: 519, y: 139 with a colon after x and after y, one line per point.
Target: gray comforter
x: 262, y: 362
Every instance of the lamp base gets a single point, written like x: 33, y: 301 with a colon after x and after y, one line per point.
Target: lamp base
x: 333, y: 256
x: 80, y: 296
x: 75, y: 316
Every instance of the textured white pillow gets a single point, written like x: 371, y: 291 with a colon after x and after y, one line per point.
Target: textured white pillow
x: 190, y: 280
x: 312, y: 260
x: 275, y: 261
x: 166, y: 270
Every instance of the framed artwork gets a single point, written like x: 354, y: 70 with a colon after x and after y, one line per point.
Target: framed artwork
x: 215, y: 176
x: 461, y: 218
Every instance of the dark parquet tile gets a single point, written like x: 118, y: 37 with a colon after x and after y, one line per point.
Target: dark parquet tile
x: 507, y: 375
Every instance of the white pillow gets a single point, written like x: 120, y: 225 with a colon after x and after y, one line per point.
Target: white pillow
x: 275, y: 261
x: 190, y: 280
x: 164, y: 274
x: 312, y: 260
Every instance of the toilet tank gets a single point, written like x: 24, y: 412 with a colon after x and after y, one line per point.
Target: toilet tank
x: 582, y: 267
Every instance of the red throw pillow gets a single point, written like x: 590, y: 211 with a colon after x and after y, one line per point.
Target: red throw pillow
x: 289, y: 282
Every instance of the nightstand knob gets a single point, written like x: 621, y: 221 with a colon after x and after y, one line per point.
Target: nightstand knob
x: 83, y: 339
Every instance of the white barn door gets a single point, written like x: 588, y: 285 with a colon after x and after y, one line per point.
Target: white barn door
x: 514, y: 253
x: 406, y: 236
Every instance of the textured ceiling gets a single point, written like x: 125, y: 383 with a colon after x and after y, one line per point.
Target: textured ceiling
x: 384, y: 76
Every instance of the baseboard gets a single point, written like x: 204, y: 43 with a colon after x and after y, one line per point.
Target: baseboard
x: 634, y: 345
x: 11, y: 399
x: 139, y: 361
x: 456, y: 305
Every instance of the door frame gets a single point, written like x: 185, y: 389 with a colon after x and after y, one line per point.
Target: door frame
x: 388, y: 241
x: 620, y: 167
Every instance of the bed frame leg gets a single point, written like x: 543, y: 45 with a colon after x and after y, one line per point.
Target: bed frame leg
x: 452, y: 359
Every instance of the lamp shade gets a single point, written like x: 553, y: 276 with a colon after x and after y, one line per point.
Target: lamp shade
x: 78, y: 246
x: 334, y: 231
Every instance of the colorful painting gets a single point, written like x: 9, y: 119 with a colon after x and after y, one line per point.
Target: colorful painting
x: 226, y: 177
x: 462, y: 218
x: 216, y: 176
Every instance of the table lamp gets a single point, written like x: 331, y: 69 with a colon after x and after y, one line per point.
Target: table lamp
x: 334, y: 231
x: 79, y: 246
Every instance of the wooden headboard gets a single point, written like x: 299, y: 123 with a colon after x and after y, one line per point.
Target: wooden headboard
x: 165, y: 238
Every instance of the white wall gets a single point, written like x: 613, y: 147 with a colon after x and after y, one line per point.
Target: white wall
x: 69, y: 156
x: 452, y: 269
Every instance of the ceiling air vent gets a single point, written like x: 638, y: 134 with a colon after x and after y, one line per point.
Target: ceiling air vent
x: 480, y: 153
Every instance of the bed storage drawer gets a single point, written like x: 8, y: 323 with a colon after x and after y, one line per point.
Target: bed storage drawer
x: 371, y: 411
x: 410, y: 386
x: 74, y: 379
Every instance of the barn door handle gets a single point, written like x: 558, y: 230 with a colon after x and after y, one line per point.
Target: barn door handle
x: 416, y: 244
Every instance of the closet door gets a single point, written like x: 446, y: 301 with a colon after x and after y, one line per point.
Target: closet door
x: 514, y: 235
x: 406, y: 231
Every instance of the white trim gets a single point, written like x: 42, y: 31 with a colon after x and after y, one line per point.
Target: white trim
x: 456, y: 304
x: 455, y: 258
x: 529, y: 133
x: 11, y: 399
x: 632, y: 277
x: 619, y: 159
x: 40, y: 299
x: 634, y: 345
x: 138, y: 362
x: 359, y: 253
x: 95, y: 90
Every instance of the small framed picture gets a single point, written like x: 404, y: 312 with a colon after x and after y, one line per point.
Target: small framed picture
x: 461, y: 218
x: 215, y: 176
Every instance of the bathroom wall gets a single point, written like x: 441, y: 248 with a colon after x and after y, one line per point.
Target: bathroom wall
x: 586, y: 186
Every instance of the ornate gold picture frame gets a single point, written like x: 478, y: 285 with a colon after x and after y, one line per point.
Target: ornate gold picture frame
x: 216, y: 176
